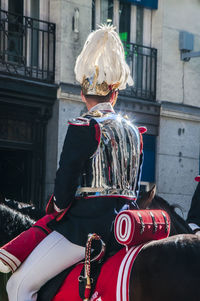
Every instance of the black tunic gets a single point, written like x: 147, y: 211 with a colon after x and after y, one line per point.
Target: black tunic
x: 194, y: 212
x: 86, y: 215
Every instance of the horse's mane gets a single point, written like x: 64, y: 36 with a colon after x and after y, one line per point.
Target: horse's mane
x: 178, y: 224
x: 27, y: 209
x: 12, y: 223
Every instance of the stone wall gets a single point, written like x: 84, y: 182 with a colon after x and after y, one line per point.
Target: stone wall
x: 178, y: 143
x: 68, y: 42
x: 68, y: 46
x: 177, y: 159
x: 178, y: 149
x: 177, y: 80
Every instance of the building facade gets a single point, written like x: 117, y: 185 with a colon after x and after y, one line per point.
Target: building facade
x: 40, y: 40
x: 178, y: 142
x: 27, y: 95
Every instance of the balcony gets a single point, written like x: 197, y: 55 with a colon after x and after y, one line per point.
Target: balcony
x: 142, y: 61
x: 27, y: 47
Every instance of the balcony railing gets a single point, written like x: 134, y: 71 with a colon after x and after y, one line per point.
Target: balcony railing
x: 27, y: 47
x: 143, y: 64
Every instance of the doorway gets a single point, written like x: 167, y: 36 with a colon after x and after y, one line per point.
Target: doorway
x: 15, y: 174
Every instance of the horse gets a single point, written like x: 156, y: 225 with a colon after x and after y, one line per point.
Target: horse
x: 177, y: 256
x: 162, y: 270
x: 180, y: 253
x: 150, y: 200
x: 167, y: 269
x: 16, y: 217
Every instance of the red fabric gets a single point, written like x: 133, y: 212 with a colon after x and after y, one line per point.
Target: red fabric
x: 21, y: 246
x: 141, y: 143
x: 128, y: 225
x: 50, y: 209
x: 197, y: 179
x: 107, y: 279
x: 42, y: 222
x: 62, y: 213
x: 112, y: 283
x: 87, y: 292
x: 142, y: 130
x: 50, y: 206
x: 97, y: 133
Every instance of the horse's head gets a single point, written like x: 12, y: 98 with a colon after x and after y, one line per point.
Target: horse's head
x: 149, y: 200
x: 145, y: 199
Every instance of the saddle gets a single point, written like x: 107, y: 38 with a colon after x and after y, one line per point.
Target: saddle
x: 110, y: 279
x: 133, y: 229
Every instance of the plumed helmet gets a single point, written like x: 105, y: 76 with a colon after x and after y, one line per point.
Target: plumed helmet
x: 101, y: 66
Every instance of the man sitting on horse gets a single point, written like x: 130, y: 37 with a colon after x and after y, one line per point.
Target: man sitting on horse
x: 99, y: 168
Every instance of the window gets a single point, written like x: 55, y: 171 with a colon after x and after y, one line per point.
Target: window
x: 124, y: 21
x: 93, y: 15
x: 15, y: 33
x: 148, y: 169
x: 34, y: 10
x: 129, y: 19
x: 133, y: 22
x: 106, y: 11
x: 139, y: 24
x: 15, y: 7
x: 102, y: 12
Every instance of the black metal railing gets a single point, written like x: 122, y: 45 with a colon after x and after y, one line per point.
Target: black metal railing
x: 27, y: 47
x: 142, y: 61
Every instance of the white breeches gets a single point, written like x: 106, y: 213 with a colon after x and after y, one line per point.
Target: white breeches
x: 53, y: 255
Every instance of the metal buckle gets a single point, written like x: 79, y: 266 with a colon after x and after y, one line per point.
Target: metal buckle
x: 155, y: 225
x: 142, y: 223
x: 82, y: 278
x: 166, y: 222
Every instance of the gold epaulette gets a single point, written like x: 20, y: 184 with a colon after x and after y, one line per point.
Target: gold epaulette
x: 95, y: 113
x: 80, y: 121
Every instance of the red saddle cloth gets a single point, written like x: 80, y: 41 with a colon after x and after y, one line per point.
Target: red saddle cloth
x: 112, y: 283
x: 133, y: 227
x: 18, y: 249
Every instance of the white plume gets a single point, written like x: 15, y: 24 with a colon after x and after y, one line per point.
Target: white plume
x: 103, y: 49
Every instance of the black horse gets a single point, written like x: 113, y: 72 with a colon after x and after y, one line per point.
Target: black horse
x: 150, y: 200
x: 167, y: 270
x: 164, y: 270
x: 17, y: 217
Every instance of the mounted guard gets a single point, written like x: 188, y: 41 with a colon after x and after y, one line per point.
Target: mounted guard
x: 98, y: 177
x: 98, y: 172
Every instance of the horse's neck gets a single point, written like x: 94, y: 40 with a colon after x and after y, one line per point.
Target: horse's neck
x: 178, y: 224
